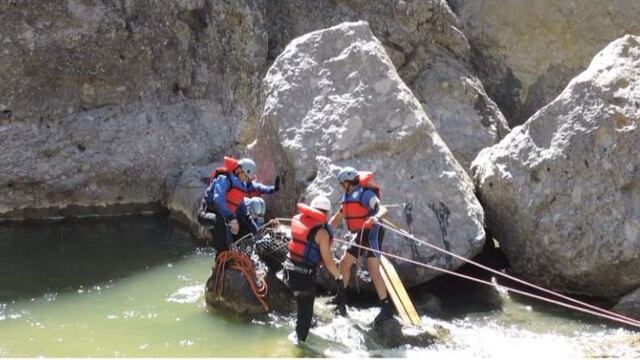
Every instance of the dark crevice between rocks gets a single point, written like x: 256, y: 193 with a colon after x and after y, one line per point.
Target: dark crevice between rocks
x: 279, y: 25
x: 449, y: 296
x: 196, y: 19
x: 177, y: 89
x: 5, y: 114
x: 442, y: 212
x: 546, y: 88
x: 505, y: 91
x: 455, y: 6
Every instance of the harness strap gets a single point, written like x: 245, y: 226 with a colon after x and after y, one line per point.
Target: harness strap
x: 289, y: 265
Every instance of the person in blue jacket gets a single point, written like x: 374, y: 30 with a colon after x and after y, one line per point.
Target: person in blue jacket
x: 223, y: 207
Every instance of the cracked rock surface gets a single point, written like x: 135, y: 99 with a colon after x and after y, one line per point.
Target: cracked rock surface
x: 320, y: 115
x: 562, y: 191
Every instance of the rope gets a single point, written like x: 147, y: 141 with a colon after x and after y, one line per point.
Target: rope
x: 632, y: 322
x: 406, y: 234
x: 242, y: 263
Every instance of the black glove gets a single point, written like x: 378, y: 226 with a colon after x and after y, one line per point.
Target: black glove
x: 276, y: 184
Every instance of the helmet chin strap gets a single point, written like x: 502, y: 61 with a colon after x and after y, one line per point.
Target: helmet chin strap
x: 350, y: 187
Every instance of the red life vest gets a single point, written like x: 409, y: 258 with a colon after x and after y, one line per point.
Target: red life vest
x: 236, y: 195
x: 355, y: 213
x: 302, y: 248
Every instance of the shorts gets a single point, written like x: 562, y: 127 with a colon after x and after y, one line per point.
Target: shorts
x: 371, y: 238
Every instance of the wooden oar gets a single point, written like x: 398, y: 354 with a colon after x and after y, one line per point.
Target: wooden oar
x: 398, y: 293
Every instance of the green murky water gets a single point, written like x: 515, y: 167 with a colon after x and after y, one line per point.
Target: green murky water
x: 133, y: 286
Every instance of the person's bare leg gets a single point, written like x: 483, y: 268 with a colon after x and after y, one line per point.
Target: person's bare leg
x: 386, y: 308
x: 345, y: 270
x: 345, y: 267
x: 373, y: 266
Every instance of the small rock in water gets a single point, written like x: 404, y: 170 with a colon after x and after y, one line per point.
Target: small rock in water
x: 388, y: 333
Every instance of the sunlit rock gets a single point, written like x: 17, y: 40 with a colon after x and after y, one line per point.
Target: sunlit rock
x: 101, y: 101
x: 528, y: 51
x: 562, y: 192
x: 425, y: 44
x: 334, y: 98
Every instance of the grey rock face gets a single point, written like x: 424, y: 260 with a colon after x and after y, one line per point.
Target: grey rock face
x: 101, y: 100
x: 562, y: 192
x: 430, y: 52
x: 333, y: 98
x: 185, y: 195
x: 527, y: 52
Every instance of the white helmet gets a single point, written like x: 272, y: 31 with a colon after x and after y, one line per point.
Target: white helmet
x: 321, y: 203
x: 257, y: 207
x: 248, y: 166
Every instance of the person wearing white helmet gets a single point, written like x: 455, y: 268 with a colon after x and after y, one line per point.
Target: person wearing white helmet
x: 361, y: 209
x: 256, y: 210
x: 223, y: 207
x: 309, y: 247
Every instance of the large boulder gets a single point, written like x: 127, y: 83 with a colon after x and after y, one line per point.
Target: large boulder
x: 101, y: 100
x: 527, y: 51
x: 431, y: 54
x: 334, y: 98
x: 562, y: 191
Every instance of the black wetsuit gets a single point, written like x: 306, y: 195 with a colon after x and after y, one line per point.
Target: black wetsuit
x: 302, y: 280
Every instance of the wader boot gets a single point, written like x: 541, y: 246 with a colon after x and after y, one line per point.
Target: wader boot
x: 386, y: 310
x: 341, y: 301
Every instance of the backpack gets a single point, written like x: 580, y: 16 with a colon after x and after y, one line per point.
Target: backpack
x: 366, y: 182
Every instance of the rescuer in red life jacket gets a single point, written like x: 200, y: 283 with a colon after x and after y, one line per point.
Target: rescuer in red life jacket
x: 223, y: 206
x: 309, y: 247
x: 361, y: 209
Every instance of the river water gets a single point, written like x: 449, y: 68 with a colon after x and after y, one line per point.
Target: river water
x: 134, y: 286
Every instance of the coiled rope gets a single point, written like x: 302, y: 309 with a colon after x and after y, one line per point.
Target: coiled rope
x: 241, y: 262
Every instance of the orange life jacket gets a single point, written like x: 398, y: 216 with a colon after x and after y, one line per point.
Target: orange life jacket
x: 355, y: 213
x: 302, y: 247
x: 235, y: 197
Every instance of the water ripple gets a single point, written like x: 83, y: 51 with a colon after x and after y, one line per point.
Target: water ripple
x: 187, y: 294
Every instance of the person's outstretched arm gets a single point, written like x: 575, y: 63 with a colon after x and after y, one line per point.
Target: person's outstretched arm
x: 322, y: 239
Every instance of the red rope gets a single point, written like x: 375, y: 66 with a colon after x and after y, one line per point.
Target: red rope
x: 631, y: 322
x: 242, y: 263
x: 601, y: 310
